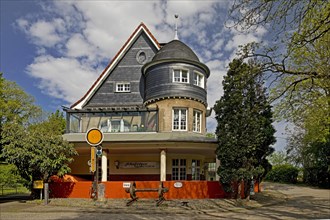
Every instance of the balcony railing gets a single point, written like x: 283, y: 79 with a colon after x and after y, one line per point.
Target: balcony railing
x: 113, y: 122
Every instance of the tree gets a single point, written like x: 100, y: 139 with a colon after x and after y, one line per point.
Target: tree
x: 278, y: 158
x: 300, y: 60
x: 35, y: 146
x: 9, y: 176
x: 15, y: 106
x: 313, y: 155
x: 297, y: 67
x: 244, y: 129
x: 38, y: 151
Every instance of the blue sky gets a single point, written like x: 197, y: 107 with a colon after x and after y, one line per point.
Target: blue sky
x: 55, y: 50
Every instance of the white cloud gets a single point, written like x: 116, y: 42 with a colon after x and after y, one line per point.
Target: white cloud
x: 44, y: 33
x: 214, y: 87
x: 78, y: 47
x: 62, y: 78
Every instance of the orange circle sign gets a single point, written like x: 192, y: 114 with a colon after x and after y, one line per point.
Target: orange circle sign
x: 94, y: 137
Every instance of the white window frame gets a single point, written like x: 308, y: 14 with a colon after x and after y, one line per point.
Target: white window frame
x: 182, y: 123
x: 180, y: 78
x: 179, y: 169
x: 198, y: 79
x: 197, y: 115
x: 123, y: 87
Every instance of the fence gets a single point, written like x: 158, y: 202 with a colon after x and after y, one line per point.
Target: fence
x: 13, y: 189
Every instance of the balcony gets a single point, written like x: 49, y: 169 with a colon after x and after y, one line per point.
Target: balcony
x: 112, y: 122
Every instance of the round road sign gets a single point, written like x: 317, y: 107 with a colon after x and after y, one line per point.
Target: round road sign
x: 94, y: 136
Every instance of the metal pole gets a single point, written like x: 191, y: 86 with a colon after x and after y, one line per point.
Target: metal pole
x: 46, y: 193
x: 97, y: 178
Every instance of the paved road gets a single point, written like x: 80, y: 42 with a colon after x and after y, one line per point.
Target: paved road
x: 296, y: 203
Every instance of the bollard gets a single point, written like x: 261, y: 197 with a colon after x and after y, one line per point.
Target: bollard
x: 46, y: 193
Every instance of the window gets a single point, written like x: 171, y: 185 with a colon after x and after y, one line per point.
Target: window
x: 212, y: 169
x: 123, y: 87
x: 195, y: 169
x: 115, y: 125
x: 179, y: 119
x: 198, y: 79
x: 197, y: 121
x: 180, y: 75
x: 179, y: 169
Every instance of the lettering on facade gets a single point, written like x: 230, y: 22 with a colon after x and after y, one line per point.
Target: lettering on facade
x: 134, y: 165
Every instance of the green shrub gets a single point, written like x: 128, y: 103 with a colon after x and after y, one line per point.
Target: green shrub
x: 284, y: 173
x: 316, y: 176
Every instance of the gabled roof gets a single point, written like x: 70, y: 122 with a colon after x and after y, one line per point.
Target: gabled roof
x: 141, y: 28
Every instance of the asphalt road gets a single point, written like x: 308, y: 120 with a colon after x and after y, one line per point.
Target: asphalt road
x: 296, y: 202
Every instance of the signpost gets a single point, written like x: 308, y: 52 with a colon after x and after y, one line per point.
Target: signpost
x: 93, y: 160
x: 94, y: 137
x: 38, y: 184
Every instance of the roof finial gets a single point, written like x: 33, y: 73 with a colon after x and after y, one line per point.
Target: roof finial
x: 176, y: 27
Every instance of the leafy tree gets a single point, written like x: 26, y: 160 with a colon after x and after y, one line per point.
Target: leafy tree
x: 313, y: 156
x: 278, y: 158
x: 244, y: 129
x: 38, y: 151
x: 35, y: 147
x: 15, y: 106
x: 298, y: 66
x: 9, y: 175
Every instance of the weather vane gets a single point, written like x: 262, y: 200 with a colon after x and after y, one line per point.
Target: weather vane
x: 176, y: 27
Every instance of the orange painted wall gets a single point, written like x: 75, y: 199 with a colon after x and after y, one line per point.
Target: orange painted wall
x: 113, y: 190
x: 70, y: 189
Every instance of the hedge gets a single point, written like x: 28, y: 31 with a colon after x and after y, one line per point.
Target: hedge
x: 284, y: 173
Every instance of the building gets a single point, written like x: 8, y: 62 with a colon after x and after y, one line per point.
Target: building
x: 150, y: 102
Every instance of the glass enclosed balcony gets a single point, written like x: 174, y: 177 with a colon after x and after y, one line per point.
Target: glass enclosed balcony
x: 112, y: 122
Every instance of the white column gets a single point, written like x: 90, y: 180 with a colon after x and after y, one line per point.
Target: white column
x: 104, y: 165
x: 217, y: 164
x: 163, y: 165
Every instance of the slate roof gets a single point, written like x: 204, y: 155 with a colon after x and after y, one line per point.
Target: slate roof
x: 141, y: 28
x: 175, y: 50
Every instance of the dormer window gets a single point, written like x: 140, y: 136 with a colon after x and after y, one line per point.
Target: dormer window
x: 180, y: 75
x: 199, y: 79
x: 123, y: 87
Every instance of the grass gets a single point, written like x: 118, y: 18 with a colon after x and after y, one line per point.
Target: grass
x: 4, y: 191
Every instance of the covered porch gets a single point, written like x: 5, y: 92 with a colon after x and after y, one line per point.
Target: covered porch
x: 148, y: 157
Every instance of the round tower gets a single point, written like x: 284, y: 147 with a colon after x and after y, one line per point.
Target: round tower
x: 175, y: 83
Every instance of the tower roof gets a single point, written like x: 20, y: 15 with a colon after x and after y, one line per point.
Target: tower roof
x: 175, y: 50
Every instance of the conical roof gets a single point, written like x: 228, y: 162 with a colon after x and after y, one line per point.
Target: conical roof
x: 175, y: 50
